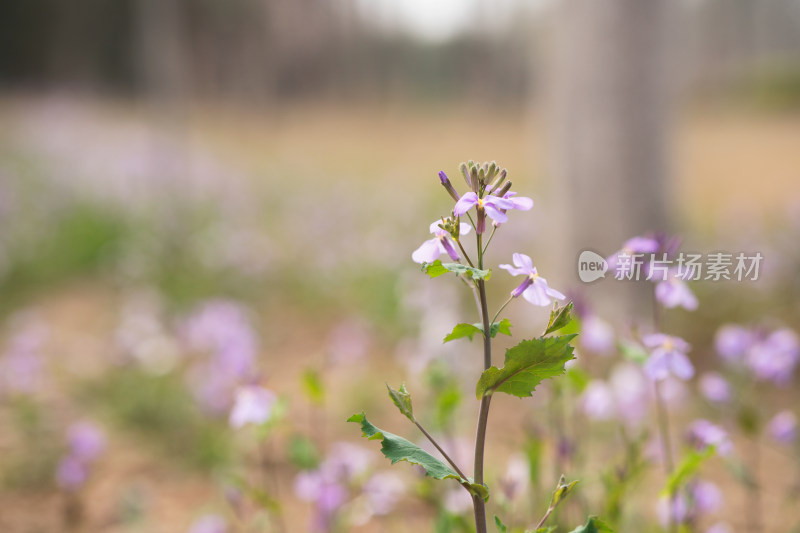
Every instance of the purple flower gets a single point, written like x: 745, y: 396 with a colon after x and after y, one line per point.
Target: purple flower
x: 732, y: 342
x: 493, y: 206
x: 719, y: 527
x: 667, y: 356
x: 534, y: 288
x: 714, y: 387
x: 675, y: 292
x: 706, y: 497
x: 447, y: 185
x: 442, y: 243
x: 71, y: 473
x: 783, y: 427
x: 634, y: 245
x: 703, y: 434
x: 597, y: 335
x: 253, y: 405
x: 597, y: 401
x: 775, y: 358
x: 517, y: 477
x: 210, y: 523
x: 86, y: 441
x: 676, y: 511
x: 383, y: 490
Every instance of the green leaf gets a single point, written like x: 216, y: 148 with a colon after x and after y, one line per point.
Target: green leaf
x: 526, y: 365
x: 479, y: 490
x: 437, y: 268
x: 562, y: 491
x: 593, y: 525
x: 559, y: 317
x: 501, y: 527
x: 687, y: 468
x: 313, y: 387
x: 398, y: 449
x: 303, y: 452
x: 469, y: 330
x: 463, y: 330
x: 402, y: 399
x: 548, y: 529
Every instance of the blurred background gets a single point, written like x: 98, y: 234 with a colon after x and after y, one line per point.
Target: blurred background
x: 193, y: 185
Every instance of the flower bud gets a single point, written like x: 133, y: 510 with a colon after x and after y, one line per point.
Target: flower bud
x: 504, y: 190
x: 465, y: 172
x: 499, y: 181
x: 448, y: 186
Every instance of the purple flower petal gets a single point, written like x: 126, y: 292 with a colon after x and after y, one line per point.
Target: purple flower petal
x: 467, y: 202
x: 428, y: 252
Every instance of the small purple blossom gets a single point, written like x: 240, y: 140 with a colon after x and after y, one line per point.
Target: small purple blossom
x: 703, y: 433
x: 674, y: 292
x: 492, y: 206
x: 383, y: 490
x: 430, y: 250
x: 732, y: 342
x: 597, y: 335
x: 517, y: 477
x: 783, y: 427
x: 253, y: 405
x: 634, y: 245
x: 210, y: 523
x: 597, y: 401
x: 719, y: 527
x: 534, y: 288
x: 667, y: 356
x: 715, y: 388
x: 86, y: 441
x: 706, y: 497
x: 775, y: 358
x: 71, y: 473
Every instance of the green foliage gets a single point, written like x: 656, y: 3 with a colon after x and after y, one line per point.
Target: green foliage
x: 559, y: 317
x: 593, y: 525
x: 687, y: 468
x: 303, y: 452
x: 402, y: 399
x: 526, y: 365
x: 313, y: 387
x: 469, y: 330
x: 562, y: 491
x: 633, y: 352
x: 398, y: 449
x: 162, y: 410
x: 437, y: 268
x: 501, y: 527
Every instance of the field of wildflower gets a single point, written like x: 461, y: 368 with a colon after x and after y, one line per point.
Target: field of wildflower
x: 221, y: 322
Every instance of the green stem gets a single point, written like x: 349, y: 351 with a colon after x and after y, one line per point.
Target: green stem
x: 444, y: 454
x: 491, y: 236
x: 497, y: 314
x: 483, y: 416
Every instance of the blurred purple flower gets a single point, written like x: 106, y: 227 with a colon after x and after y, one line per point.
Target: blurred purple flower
x: 703, y: 433
x: 534, y: 288
x: 706, y: 497
x: 517, y: 477
x: 775, y: 358
x: 715, y: 388
x: 634, y: 245
x: 667, y: 356
x: 86, y: 441
x: 719, y: 527
x: 253, y: 405
x: 349, y: 341
x: 597, y: 401
x: 675, y: 292
x: 71, y: 473
x: 383, y: 490
x: 430, y: 250
x: 783, y: 427
x: 597, y: 335
x: 210, y: 523
x: 676, y: 511
x: 732, y: 342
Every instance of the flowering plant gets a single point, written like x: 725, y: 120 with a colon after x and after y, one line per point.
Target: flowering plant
x: 526, y: 365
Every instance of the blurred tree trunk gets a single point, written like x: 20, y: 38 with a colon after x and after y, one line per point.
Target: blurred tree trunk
x: 610, y: 105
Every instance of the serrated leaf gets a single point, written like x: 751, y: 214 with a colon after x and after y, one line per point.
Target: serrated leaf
x: 398, y: 449
x: 402, y: 399
x: 501, y: 527
x: 686, y: 469
x: 463, y: 330
x: 437, y: 268
x: 593, y: 525
x: 559, y: 317
x: 504, y: 327
x: 526, y: 365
